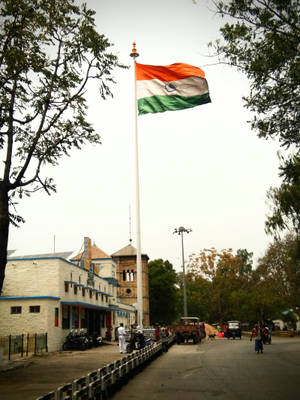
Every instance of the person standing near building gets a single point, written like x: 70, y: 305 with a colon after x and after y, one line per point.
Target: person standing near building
x: 122, y: 341
x: 167, y: 331
x: 157, y: 332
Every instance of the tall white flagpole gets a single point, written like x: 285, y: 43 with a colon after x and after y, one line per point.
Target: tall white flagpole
x: 134, y: 54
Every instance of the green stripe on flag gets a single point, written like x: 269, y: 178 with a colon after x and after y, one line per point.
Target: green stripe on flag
x: 155, y: 104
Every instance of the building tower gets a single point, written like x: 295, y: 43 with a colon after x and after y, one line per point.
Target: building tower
x: 127, y: 277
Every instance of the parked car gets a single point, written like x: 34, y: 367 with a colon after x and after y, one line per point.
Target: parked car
x: 234, y: 330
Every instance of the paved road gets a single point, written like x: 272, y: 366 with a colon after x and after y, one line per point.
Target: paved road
x: 36, y: 376
x: 221, y: 369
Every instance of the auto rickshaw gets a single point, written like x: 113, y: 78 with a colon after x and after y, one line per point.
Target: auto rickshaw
x: 234, y: 330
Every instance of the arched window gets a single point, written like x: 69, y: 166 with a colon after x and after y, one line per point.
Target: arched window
x: 132, y: 275
x: 124, y: 275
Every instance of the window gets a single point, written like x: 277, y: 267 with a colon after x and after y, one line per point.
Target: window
x: 128, y: 291
x: 16, y: 310
x: 91, y: 293
x: 66, y: 287
x: 34, y: 309
x: 96, y: 296
x: 83, y: 292
x: 75, y: 289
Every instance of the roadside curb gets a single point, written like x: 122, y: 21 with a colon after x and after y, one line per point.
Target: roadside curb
x: 15, y: 365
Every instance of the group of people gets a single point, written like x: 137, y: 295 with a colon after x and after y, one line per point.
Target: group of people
x: 136, y: 336
x: 261, y: 335
x: 161, y: 332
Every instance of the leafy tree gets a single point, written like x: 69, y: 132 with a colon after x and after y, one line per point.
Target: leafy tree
x: 262, y: 40
x: 228, y: 279
x: 280, y: 270
x: 49, y: 50
x: 285, y: 200
x: 163, y: 296
x: 245, y: 263
x: 290, y: 318
x: 266, y: 300
x: 199, y: 297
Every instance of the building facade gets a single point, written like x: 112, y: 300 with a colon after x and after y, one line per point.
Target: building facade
x: 54, y: 295
x: 127, y: 278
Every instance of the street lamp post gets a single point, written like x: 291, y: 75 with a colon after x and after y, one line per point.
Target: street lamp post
x: 180, y: 231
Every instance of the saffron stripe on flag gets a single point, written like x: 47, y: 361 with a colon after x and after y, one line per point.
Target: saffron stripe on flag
x: 167, y: 72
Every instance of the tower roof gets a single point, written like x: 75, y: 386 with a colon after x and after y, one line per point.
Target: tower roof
x: 128, y: 250
x: 96, y: 252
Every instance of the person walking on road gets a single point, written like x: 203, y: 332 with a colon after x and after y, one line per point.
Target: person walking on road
x: 258, y: 341
x: 122, y: 341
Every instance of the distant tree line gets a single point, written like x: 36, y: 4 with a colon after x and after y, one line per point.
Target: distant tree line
x: 224, y: 286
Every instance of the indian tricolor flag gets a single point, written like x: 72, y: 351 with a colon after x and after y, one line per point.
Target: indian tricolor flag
x: 169, y: 88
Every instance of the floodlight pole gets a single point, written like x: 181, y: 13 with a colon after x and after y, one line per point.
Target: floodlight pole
x: 180, y: 232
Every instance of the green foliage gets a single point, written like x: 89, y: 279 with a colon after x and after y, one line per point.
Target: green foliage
x: 199, y: 297
x: 223, y: 278
x: 262, y: 40
x: 223, y: 286
x: 49, y: 50
x: 163, y: 293
x: 280, y: 270
x: 290, y: 318
x: 285, y: 200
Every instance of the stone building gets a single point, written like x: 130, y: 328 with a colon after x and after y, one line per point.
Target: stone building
x: 127, y: 278
x: 49, y: 294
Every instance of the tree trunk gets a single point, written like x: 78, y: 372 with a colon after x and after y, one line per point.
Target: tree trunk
x: 4, y: 228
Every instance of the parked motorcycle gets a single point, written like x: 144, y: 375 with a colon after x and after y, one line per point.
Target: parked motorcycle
x: 138, y: 342
x: 267, y: 339
x: 97, y: 339
x: 76, y: 341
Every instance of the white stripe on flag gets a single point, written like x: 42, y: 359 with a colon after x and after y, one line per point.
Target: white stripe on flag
x: 191, y: 86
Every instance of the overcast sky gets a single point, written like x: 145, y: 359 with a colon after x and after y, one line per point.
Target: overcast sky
x: 200, y: 168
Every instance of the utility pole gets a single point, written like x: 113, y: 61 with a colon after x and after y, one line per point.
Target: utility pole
x: 180, y: 232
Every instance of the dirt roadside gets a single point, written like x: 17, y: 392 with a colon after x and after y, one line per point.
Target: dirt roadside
x: 27, y: 379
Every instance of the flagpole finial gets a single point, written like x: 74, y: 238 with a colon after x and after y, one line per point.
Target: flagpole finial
x: 134, y: 53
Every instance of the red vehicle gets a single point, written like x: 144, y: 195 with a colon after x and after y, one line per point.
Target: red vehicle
x: 188, y: 328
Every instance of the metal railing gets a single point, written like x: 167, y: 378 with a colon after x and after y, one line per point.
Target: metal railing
x: 23, y: 345
x: 102, y: 383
